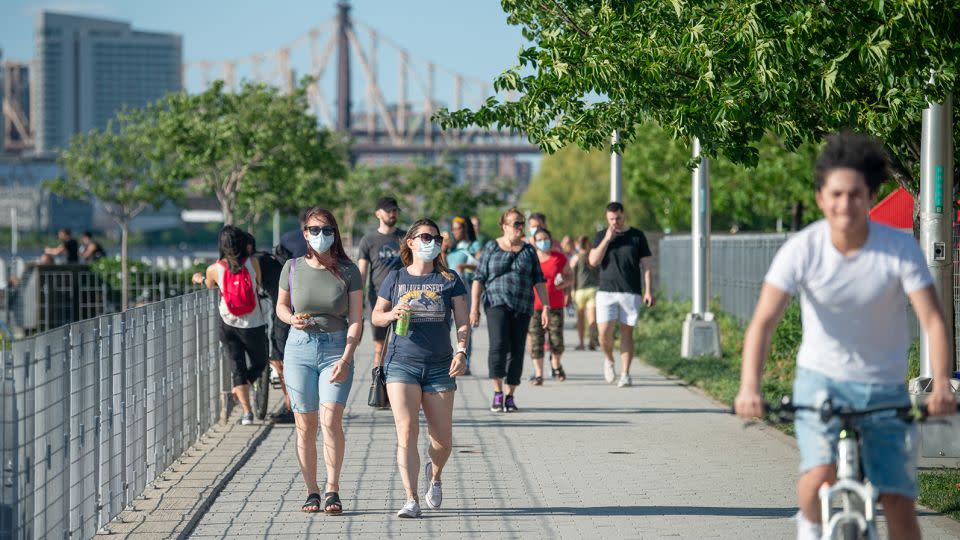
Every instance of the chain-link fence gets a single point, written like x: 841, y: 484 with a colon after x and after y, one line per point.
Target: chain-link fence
x: 738, y: 265
x: 95, y: 410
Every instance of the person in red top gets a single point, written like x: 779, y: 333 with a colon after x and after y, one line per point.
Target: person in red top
x: 559, y: 277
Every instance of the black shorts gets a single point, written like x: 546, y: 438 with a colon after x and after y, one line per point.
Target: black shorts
x: 278, y: 339
x: 240, y: 344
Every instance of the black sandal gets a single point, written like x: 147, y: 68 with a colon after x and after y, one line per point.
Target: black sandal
x: 536, y: 381
x: 559, y: 373
x: 313, y: 501
x: 331, y: 503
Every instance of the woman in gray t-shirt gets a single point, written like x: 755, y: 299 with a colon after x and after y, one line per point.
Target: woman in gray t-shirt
x: 321, y: 298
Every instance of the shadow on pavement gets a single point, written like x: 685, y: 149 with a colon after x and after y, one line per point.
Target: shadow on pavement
x: 647, y: 410
x: 640, y: 511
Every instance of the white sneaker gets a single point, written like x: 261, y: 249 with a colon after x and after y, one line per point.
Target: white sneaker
x: 410, y: 510
x: 246, y: 419
x: 434, y: 494
x: 608, y: 373
x: 624, y: 381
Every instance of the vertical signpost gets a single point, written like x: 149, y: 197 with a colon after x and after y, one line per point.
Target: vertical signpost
x: 701, y: 335
x: 939, y: 442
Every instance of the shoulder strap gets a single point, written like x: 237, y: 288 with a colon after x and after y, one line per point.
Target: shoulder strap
x: 293, y: 270
x: 390, y: 329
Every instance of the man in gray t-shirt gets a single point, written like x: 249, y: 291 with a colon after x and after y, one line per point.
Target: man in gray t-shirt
x: 380, y: 255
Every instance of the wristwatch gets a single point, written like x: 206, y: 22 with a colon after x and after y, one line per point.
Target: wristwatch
x: 461, y: 350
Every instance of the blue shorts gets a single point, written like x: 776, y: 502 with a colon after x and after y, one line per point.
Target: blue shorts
x: 308, y: 359
x: 889, y: 445
x: 431, y: 378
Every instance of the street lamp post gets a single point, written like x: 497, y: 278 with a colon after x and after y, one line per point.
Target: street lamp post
x: 701, y: 335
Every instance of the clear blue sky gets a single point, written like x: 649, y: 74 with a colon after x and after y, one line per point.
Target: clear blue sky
x: 470, y: 37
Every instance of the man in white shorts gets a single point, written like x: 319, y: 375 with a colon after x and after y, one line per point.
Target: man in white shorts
x: 853, y: 278
x: 626, y: 277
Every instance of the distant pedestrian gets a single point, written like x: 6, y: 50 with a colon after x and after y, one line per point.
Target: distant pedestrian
x: 506, y: 277
x: 68, y: 248
x: 380, y: 255
x: 586, y: 278
x: 292, y: 243
x: 270, y: 269
x: 321, y: 298
x: 462, y: 259
x: 569, y: 249
x: 559, y: 277
x: 92, y: 250
x: 420, y: 366
x: 481, y: 238
x: 626, y: 276
x: 243, y: 322
x: 535, y: 222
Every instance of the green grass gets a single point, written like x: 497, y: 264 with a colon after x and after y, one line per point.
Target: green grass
x: 658, y: 343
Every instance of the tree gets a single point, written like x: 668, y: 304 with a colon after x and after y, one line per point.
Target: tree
x: 727, y: 72
x: 120, y: 169
x: 251, y: 149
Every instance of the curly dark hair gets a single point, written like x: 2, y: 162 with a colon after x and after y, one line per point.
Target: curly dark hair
x: 850, y: 150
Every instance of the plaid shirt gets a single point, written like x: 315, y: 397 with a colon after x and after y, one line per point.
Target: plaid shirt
x: 508, y: 277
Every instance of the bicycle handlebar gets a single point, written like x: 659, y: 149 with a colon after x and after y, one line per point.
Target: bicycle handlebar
x: 785, y: 410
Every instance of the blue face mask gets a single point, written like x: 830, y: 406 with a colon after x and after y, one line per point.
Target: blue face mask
x: 321, y: 243
x: 543, y: 245
x: 428, y: 251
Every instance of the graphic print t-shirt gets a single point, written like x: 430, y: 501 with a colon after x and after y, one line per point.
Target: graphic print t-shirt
x: 430, y: 298
x: 383, y: 252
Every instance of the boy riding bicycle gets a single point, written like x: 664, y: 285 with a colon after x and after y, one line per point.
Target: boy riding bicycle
x: 851, y: 275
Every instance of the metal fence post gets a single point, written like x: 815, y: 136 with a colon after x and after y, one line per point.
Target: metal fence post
x: 8, y: 449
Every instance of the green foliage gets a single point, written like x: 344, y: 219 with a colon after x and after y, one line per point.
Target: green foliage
x: 148, y: 283
x: 940, y: 491
x: 726, y: 72
x: 572, y: 186
x: 256, y: 150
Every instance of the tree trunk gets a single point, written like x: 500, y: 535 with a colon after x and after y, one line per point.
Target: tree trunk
x: 796, y: 216
x: 124, y: 274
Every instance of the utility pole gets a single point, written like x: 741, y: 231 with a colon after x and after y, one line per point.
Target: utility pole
x: 701, y: 334
x: 343, y: 67
x: 616, y: 170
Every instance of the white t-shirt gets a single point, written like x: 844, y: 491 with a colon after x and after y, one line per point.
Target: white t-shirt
x: 853, y: 308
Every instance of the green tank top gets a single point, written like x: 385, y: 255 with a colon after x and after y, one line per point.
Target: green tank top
x: 587, y: 276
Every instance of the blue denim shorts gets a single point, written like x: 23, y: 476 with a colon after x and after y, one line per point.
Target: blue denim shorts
x: 889, y: 445
x: 431, y: 377
x: 308, y: 359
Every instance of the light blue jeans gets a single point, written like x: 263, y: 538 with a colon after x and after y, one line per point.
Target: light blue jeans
x: 308, y: 359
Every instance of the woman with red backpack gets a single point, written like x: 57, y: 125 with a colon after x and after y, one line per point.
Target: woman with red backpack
x: 243, y: 322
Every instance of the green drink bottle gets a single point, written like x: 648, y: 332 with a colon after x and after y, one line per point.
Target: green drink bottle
x: 402, y: 326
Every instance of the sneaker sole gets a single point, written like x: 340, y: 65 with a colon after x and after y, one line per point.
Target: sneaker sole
x: 409, y: 516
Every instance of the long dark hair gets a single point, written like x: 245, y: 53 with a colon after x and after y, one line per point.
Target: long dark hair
x: 232, y: 245
x: 337, y: 253
x: 406, y: 254
x: 468, y: 230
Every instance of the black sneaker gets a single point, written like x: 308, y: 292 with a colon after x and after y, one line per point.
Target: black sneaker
x: 283, y: 416
x: 509, y: 405
x: 497, y: 405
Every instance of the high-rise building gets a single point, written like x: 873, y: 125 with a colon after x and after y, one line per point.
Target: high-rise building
x: 86, y: 69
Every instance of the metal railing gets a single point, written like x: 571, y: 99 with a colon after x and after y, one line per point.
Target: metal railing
x: 95, y: 410
x: 738, y: 265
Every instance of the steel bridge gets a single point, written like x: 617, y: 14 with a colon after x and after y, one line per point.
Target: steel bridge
x: 384, y: 131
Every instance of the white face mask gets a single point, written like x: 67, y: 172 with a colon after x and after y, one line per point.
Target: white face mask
x: 533, y: 231
x: 321, y: 242
x: 428, y: 251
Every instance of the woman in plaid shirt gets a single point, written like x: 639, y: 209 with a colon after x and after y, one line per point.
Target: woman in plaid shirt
x: 506, y: 277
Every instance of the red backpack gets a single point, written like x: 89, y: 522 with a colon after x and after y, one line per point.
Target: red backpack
x: 237, y: 290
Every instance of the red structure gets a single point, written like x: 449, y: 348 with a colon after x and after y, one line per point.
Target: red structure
x: 895, y: 210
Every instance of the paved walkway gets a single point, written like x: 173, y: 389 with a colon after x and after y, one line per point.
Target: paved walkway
x: 582, y: 459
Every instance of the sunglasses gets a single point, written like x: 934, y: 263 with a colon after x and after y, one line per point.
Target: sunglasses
x: 518, y: 225
x: 315, y: 231
x: 426, y: 238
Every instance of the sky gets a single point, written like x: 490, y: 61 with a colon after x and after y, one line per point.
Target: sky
x: 469, y: 37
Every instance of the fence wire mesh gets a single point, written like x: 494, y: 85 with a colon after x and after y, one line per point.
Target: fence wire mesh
x: 95, y: 410
x: 738, y: 265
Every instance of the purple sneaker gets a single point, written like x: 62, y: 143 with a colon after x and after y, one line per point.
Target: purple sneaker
x: 497, y: 405
x: 509, y: 405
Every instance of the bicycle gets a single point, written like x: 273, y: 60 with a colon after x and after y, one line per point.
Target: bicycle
x: 855, y: 518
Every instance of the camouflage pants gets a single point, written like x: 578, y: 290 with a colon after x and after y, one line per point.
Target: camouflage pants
x: 538, y: 335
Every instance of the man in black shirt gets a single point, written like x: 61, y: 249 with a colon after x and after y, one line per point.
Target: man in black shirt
x: 380, y: 255
x: 92, y: 250
x: 68, y: 248
x: 625, y: 261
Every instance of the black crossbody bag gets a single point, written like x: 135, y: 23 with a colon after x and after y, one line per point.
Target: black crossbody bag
x: 378, y: 385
